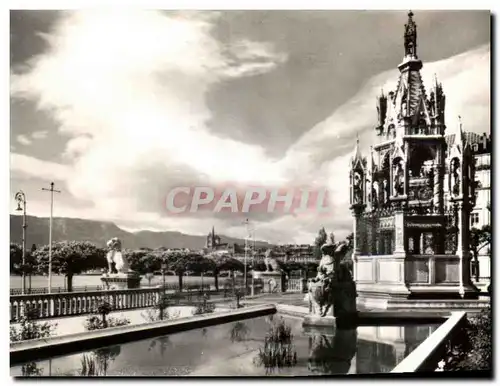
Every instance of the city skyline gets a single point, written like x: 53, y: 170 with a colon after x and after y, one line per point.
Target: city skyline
x: 280, y: 98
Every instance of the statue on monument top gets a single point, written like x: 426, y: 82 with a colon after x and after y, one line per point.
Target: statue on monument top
x: 117, y: 263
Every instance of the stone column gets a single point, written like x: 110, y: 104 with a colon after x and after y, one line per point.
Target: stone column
x: 407, y: 172
x: 399, y: 241
x: 357, y: 210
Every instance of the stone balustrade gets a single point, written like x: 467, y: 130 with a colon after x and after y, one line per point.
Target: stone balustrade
x: 78, y: 303
x: 85, y: 302
x: 296, y: 285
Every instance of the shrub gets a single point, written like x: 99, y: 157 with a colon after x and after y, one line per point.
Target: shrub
x: 204, y: 307
x: 93, y: 322
x: 99, y: 320
x: 475, y: 348
x: 160, y: 311
x: 30, y: 328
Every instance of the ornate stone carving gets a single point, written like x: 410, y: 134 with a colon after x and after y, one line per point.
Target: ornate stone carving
x: 333, y: 285
x: 357, y: 188
x: 399, y: 179
x: 455, y: 177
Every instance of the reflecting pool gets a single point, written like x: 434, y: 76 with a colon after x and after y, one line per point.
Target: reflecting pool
x: 271, y: 345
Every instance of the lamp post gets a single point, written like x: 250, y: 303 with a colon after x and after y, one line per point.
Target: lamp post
x: 163, y: 269
x: 21, y: 206
x: 51, y: 190
x: 162, y: 297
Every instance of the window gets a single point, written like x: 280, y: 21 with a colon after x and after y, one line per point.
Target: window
x: 474, y: 219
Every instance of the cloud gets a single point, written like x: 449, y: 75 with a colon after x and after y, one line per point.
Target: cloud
x: 31, y: 166
x: 129, y: 89
x: 23, y: 140
x: 39, y: 134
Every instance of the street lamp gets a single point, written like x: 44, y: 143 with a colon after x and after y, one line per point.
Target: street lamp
x: 21, y: 206
x: 162, y: 304
x: 163, y: 269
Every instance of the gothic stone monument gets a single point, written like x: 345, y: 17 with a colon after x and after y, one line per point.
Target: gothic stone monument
x: 411, y: 198
x: 332, y: 293
x: 119, y: 274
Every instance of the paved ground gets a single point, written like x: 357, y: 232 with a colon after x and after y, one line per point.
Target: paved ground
x: 75, y: 324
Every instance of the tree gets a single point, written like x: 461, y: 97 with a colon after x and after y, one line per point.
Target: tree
x: 227, y: 263
x: 135, y: 259
x: 320, y: 240
x: 71, y: 258
x: 479, y: 239
x: 182, y: 261
x: 16, y: 257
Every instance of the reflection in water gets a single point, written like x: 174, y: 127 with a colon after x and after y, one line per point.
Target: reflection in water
x: 97, y: 362
x: 163, y: 343
x: 239, y: 332
x: 279, y: 350
x: 286, y: 348
x: 332, y: 354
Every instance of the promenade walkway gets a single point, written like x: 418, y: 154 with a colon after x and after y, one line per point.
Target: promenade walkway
x: 75, y: 324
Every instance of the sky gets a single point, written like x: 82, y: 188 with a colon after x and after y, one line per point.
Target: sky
x: 118, y: 107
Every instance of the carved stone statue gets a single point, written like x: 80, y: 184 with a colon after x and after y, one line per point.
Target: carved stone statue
x: 399, y: 179
x: 271, y: 263
x: 385, y: 191
x: 356, y: 189
x: 455, y: 177
x: 375, y: 193
x: 330, y: 278
x: 117, y: 263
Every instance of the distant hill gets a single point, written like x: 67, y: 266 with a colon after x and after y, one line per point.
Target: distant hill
x: 99, y: 232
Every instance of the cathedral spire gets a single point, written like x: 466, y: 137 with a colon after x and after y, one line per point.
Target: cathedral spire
x: 410, y: 37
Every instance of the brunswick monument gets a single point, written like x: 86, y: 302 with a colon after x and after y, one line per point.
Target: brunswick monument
x: 411, y: 198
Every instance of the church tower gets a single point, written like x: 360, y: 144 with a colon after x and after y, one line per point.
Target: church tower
x: 411, y: 200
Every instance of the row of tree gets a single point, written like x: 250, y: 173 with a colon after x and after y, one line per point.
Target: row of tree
x: 70, y: 258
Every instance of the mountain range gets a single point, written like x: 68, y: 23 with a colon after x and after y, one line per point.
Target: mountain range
x: 99, y: 232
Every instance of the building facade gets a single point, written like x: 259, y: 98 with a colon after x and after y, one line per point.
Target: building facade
x: 481, y: 214
x: 413, y: 195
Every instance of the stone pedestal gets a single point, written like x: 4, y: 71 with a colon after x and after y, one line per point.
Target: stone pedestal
x: 272, y: 281
x: 128, y: 280
x: 318, y: 321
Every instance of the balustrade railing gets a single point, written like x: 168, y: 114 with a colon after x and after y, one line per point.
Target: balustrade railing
x: 85, y: 302
x: 295, y: 285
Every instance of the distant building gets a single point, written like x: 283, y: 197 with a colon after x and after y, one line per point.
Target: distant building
x: 213, y: 242
x: 301, y: 253
x: 481, y: 146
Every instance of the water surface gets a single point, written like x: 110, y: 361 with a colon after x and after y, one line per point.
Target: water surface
x: 231, y: 349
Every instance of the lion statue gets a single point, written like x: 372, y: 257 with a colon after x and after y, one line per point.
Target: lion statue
x: 116, y: 261
x: 270, y: 263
